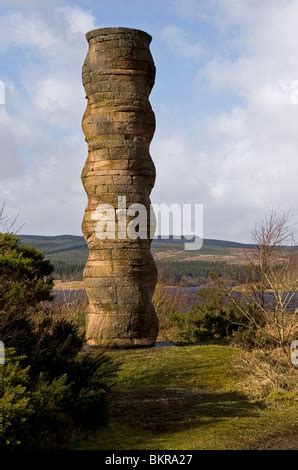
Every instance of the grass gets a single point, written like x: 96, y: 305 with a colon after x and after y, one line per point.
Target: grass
x: 185, y: 398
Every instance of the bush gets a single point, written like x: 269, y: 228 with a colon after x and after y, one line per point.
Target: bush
x: 24, y: 282
x: 50, y: 386
x: 54, y: 349
x: 90, y: 378
x: 32, y: 414
x: 213, y: 317
x: 55, y: 352
x: 247, y: 338
x: 55, y: 387
x: 24, y: 274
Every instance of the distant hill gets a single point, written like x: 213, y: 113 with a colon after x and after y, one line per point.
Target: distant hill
x: 208, y: 243
x: 68, y: 253
x: 56, y: 244
x: 61, y: 243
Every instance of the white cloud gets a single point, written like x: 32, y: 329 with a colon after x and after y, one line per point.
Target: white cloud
x: 238, y: 162
x: 250, y: 164
x: 79, y: 21
x: 42, y: 146
x: 59, y: 99
x: 19, y: 29
x: 177, y: 39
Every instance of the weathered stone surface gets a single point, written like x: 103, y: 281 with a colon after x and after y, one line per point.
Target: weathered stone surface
x: 120, y: 274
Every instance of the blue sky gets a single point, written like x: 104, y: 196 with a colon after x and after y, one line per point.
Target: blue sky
x: 224, y: 98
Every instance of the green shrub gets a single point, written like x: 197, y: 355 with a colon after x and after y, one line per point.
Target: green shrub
x: 32, y: 413
x: 91, y: 378
x: 50, y: 386
x: 54, y: 349
x: 24, y: 282
x: 55, y: 352
x: 252, y: 337
x: 24, y: 274
x: 204, y: 324
x: 213, y: 317
x: 55, y: 388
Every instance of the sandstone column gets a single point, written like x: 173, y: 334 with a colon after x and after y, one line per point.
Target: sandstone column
x: 120, y: 274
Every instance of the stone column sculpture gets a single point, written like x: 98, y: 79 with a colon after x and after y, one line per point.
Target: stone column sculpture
x: 120, y: 274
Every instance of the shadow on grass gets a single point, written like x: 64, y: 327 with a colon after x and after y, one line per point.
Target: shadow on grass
x: 174, y: 410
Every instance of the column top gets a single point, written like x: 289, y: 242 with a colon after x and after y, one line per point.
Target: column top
x: 117, y: 30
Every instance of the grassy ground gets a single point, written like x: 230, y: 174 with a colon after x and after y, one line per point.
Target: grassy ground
x: 186, y: 398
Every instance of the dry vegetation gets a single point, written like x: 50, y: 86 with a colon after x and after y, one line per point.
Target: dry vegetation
x: 167, y: 300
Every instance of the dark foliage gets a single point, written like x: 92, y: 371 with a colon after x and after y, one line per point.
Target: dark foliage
x: 173, y: 271
x: 50, y: 387
x: 24, y: 274
x: 215, y: 317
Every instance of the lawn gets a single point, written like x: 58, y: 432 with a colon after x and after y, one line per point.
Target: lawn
x: 186, y: 398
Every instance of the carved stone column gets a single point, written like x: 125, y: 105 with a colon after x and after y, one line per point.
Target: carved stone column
x: 120, y: 274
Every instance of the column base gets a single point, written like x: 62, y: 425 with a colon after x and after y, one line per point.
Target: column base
x: 120, y: 343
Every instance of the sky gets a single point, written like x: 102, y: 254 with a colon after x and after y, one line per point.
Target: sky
x: 225, y: 99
